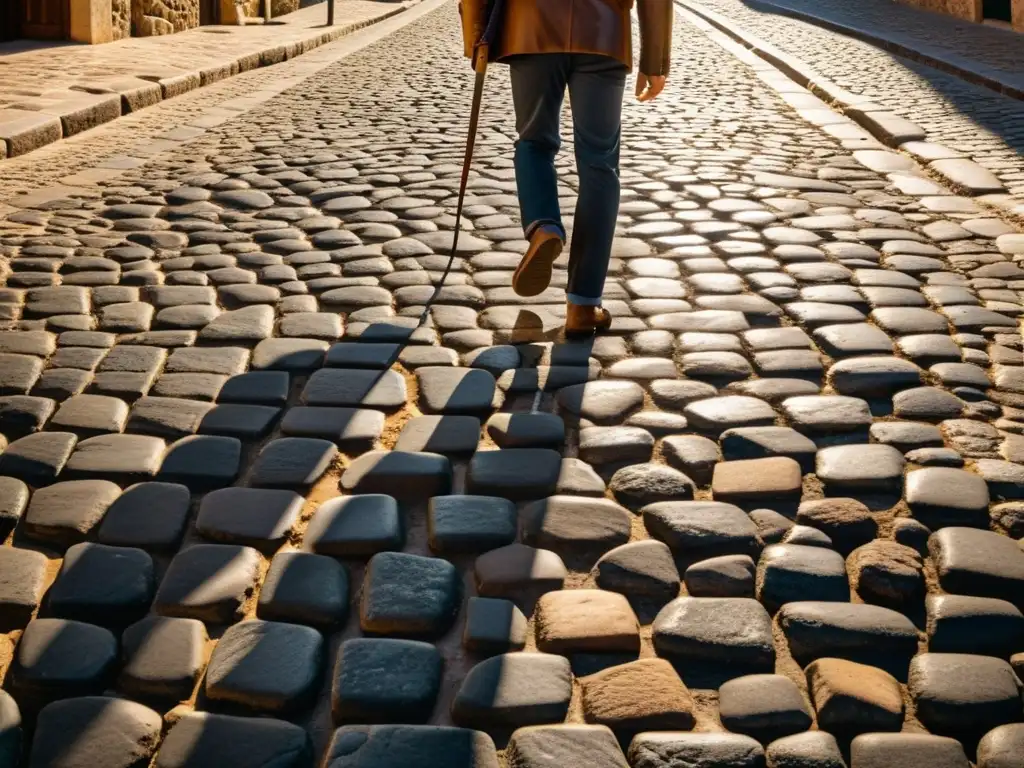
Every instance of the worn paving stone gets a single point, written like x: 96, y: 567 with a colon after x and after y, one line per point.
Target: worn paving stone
x: 408, y: 595
x: 941, y: 496
x: 518, y: 572
x: 149, y: 515
x: 23, y: 577
x: 88, y: 415
x: 451, y: 435
x: 466, y: 391
x: 526, y: 430
x: 765, y: 479
x: 604, y: 402
x: 847, y: 522
x: 873, y: 376
x: 658, y: 750
x: 977, y: 625
x: 615, y: 445
x: 460, y: 524
x: 95, y: 730
x: 256, y: 387
x: 704, y: 528
x: 639, y: 696
x: 355, y: 388
x: 514, y: 473
x: 851, y: 698
x: 812, y: 749
x: 66, y: 513
x: 394, y: 746
x: 792, y: 572
x: 22, y: 415
x: 874, y: 467
x: 914, y: 750
x: 378, y: 680
x: 643, y: 569
x: 887, y: 573
x: 586, y: 621
x: 105, y: 585
x: 1001, y: 747
x: 766, y: 442
x: 405, y: 475
x: 304, y: 588
x: 200, y: 738
x: 638, y: 485
x: 60, y: 658
x: 826, y: 414
x: 13, y: 500
x: 37, y: 459
x: 719, y: 414
x: 351, y: 429
x: 493, y: 626
x: 706, y: 630
x: 122, y: 458
x: 852, y: 631
x: 258, y: 517
x: 514, y: 689
x: 693, y: 455
x: 209, y: 582
x: 979, y: 563
x: 163, y: 657
x: 724, y: 576
x: 266, y: 666
x: 766, y: 707
x: 292, y: 462
x: 201, y: 462
x: 543, y: 746
x: 960, y: 694
x: 354, y: 526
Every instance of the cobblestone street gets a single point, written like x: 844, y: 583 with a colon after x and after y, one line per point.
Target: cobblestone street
x: 773, y: 519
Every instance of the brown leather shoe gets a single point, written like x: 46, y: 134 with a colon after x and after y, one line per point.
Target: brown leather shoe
x: 583, y: 320
x: 533, y: 274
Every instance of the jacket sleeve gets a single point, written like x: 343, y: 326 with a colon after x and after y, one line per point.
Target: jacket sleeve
x: 474, y: 21
x: 655, y: 36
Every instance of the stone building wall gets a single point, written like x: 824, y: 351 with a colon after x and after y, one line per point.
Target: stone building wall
x: 963, y: 9
x: 122, y: 22
x: 281, y: 7
x: 162, y: 17
x: 971, y: 10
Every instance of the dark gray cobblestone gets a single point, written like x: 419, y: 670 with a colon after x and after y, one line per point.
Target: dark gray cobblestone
x: 242, y: 502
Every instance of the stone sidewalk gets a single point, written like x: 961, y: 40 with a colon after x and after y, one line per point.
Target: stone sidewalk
x: 49, y: 92
x: 774, y: 517
x: 984, y: 54
x: 968, y: 135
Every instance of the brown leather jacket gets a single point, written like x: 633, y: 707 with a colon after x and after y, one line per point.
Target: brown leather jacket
x: 575, y: 26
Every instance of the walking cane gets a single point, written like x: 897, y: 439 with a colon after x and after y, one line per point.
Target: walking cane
x: 494, y: 14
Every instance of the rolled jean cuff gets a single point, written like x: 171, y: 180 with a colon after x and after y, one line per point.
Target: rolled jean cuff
x: 583, y: 301
x: 533, y: 226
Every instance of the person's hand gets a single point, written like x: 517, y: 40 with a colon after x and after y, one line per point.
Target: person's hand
x: 649, y: 86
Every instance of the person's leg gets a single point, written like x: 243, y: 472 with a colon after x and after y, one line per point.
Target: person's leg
x: 596, y: 84
x: 538, y: 88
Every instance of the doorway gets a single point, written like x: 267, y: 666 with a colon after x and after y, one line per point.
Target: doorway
x: 996, y: 10
x: 43, y: 19
x: 10, y: 21
x: 209, y: 12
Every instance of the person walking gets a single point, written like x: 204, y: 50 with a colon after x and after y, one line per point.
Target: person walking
x: 585, y: 46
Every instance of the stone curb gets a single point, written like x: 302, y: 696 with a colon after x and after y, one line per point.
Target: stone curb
x: 897, y: 132
x: 23, y: 131
x: 965, y: 72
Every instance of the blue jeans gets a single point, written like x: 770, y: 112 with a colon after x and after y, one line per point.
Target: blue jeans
x: 596, y: 84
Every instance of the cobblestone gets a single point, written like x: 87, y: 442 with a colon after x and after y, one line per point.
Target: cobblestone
x: 301, y: 469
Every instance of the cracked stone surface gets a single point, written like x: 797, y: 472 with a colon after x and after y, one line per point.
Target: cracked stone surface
x: 342, y: 537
